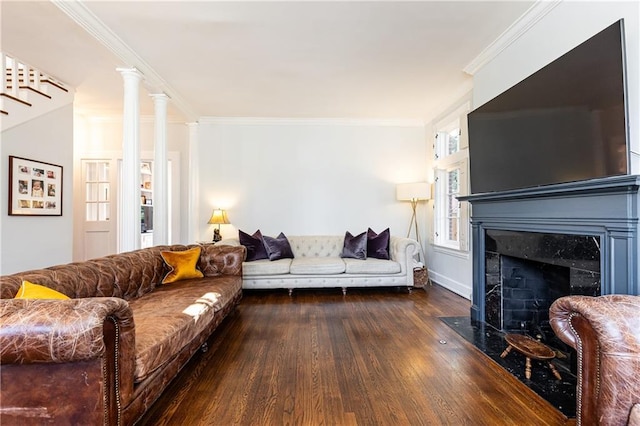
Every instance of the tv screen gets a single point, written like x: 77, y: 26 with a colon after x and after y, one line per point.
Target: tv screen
x: 564, y: 123
x: 146, y: 218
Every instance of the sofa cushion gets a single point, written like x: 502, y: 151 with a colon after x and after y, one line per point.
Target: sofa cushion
x: 355, y: 247
x: 277, y: 248
x: 254, y: 244
x: 266, y: 267
x: 378, y: 244
x: 371, y: 266
x: 30, y: 290
x: 169, y: 318
x: 183, y: 265
x: 317, y: 265
x: 316, y: 245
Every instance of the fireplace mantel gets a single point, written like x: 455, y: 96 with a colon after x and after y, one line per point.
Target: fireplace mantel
x: 607, y: 208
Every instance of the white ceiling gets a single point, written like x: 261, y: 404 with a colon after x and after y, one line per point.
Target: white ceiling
x: 328, y: 59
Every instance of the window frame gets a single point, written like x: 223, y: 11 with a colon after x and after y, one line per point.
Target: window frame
x: 444, y: 163
x: 97, y: 204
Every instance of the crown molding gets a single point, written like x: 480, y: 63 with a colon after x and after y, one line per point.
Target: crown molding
x: 265, y: 121
x: 511, y: 34
x: 81, y: 15
x: 117, y: 118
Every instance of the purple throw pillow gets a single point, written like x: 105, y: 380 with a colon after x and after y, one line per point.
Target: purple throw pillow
x: 254, y: 245
x: 378, y: 244
x: 355, y: 247
x: 277, y: 248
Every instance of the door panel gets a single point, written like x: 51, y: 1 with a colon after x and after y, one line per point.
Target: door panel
x: 98, y: 220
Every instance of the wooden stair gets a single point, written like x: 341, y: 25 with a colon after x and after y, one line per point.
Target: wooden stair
x: 24, y: 87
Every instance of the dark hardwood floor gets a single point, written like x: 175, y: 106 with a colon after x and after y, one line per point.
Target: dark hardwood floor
x: 372, y: 357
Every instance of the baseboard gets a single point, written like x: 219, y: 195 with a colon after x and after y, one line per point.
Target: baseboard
x: 457, y: 287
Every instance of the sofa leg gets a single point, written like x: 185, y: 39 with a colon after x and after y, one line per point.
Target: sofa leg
x: 204, y: 348
x: 344, y: 291
x: 290, y: 292
x: 410, y: 289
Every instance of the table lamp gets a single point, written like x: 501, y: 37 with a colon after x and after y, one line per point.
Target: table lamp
x: 218, y: 217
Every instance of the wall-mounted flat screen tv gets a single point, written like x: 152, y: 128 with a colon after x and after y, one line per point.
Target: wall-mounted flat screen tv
x: 564, y: 123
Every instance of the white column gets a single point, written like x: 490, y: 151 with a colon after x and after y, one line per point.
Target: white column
x: 194, y: 188
x: 160, y: 172
x: 129, y: 205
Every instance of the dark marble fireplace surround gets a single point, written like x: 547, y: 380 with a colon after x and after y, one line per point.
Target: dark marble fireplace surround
x: 575, y: 238
x: 527, y: 271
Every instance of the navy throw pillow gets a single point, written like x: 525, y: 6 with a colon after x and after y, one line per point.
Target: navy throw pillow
x: 355, y: 247
x: 277, y: 248
x: 254, y: 245
x: 378, y: 244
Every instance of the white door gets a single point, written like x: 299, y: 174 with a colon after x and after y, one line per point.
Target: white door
x: 96, y: 210
x: 99, y: 220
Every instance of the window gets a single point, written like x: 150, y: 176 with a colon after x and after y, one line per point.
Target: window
x: 450, y: 175
x: 447, y: 227
x: 97, y: 197
x: 448, y: 140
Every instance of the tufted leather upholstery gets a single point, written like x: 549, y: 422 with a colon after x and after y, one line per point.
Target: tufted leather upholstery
x: 605, y: 331
x: 119, y: 340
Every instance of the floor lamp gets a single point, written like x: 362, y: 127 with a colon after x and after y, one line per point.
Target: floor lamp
x: 413, y: 192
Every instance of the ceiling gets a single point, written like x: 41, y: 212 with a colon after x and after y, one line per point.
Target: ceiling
x: 295, y: 59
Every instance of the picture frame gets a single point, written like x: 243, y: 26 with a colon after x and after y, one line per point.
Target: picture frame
x: 35, y: 188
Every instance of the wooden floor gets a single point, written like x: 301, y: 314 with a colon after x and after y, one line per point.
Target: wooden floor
x: 372, y: 357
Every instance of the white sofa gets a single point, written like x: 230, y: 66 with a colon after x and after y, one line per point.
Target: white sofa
x: 317, y: 264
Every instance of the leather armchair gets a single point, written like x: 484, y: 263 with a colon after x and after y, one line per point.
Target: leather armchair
x: 605, y: 332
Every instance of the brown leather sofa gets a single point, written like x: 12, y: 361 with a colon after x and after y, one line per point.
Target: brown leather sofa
x: 105, y: 355
x: 605, y: 331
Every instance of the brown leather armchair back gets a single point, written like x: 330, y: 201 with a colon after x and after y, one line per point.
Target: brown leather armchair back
x: 605, y: 332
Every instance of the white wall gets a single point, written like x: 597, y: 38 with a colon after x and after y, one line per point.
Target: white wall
x: 307, y: 177
x: 38, y: 241
x: 566, y: 26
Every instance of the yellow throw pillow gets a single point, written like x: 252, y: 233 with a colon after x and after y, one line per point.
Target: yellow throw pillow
x: 182, y: 264
x: 36, y: 291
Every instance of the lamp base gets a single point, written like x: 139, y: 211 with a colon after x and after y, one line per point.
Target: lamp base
x: 216, y: 235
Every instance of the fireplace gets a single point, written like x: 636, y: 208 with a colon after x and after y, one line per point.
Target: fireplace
x: 533, y: 245
x: 525, y: 272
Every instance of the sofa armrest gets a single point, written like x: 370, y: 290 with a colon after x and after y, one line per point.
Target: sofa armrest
x: 222, y: 259
x: 403, y: 250
x: 57, y: 330
x: 66, y: 333
x: 605, y: 331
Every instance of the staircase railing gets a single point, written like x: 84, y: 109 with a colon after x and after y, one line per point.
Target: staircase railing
x: 19, y: 78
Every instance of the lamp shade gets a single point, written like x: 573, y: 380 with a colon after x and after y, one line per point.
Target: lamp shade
x: 413, y: 191
x: 219, y: 217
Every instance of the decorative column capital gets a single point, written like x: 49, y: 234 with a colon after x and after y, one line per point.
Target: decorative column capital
x: 130, y: 73
x: 159, y: 97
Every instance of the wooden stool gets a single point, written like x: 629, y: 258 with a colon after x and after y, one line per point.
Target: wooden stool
x: 530, y: 349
